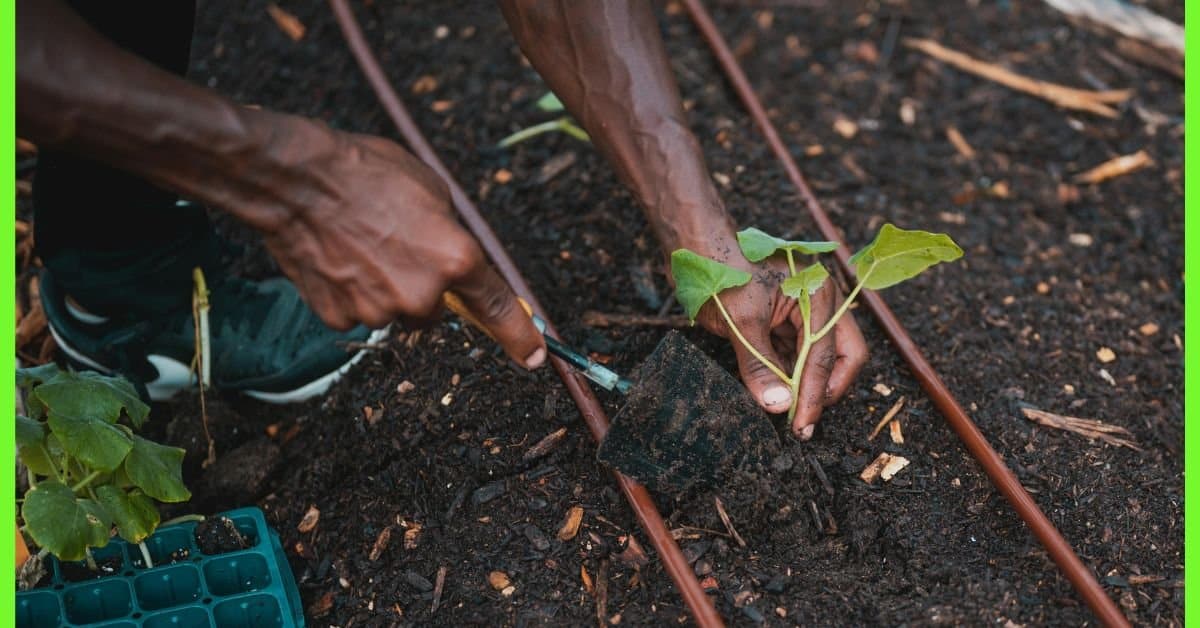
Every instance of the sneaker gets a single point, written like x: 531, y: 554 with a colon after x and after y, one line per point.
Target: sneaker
x: 264, y: 341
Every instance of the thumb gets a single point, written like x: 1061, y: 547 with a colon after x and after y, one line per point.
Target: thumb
x: 764, y: 385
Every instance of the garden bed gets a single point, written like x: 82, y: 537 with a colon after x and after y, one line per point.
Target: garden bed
x: 435, y: 477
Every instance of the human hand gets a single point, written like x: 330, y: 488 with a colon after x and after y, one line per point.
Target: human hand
x: 367, y: 233
x: 772, y: 323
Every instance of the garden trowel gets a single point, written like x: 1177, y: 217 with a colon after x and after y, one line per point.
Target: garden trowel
x: 686, y: 421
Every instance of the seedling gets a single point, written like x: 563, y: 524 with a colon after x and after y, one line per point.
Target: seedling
x: 550, y: 104
x: 88, y: 470
x: 894, y: 256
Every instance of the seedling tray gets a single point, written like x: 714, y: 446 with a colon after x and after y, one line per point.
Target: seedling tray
x: 245, y: 588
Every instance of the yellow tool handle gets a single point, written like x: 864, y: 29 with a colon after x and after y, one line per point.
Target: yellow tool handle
x: 455, y: 304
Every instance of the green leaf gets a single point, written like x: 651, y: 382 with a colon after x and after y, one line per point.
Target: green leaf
x: 808, y: 280
x: 90, y: 395
x: 758, y: 245
x: 698, y: 279
x: 134, y: 513
x: 97, y: 444
x: 31, y: 446
x: 27, y: 377
x: 550, y: 103
x: 63, y: 524
x: 803, y: 285
x: 157, y: 470
x: 897, y: 255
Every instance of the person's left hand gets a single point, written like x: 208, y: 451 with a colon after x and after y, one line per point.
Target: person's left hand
x: 772, y: 323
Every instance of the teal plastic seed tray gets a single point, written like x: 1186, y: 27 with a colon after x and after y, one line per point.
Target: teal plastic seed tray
x: 246, y: 588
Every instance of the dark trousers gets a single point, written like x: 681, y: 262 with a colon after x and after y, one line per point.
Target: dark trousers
x: 111, y: 240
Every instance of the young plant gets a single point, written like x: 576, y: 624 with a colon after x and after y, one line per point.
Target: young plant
x: 88, y: 470
x: 894, y: 256
x: 551, y: 104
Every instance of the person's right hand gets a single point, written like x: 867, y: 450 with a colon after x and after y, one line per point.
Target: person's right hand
x: 367, y: 233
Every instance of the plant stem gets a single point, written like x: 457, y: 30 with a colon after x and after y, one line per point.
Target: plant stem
x: 842, y: 310
x: 85, y: 481
x: 181, y: 519
x: 32, y: 478
x: 146, y: 555
x: 802, y: 357
x: 749, y: 347
x: 561, y: 124
x: 791, y: 262
x: 91, y: 560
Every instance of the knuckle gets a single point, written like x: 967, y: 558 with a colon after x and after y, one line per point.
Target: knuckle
x: 460, y: 259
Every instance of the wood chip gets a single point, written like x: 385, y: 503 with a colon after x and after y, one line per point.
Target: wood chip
x: 896, y: 407
x: 499, y: 580
x: 288, y: 23
x: 1146, y: 579
x: 1148, y: 329
x: 728, y: 523
x: 412, y: 532
x: 1065, y: 97
x: 882, y: 389
x: 442, y: 106
x: 845, y: 127
x: 908, y: 112
x: 322, y: 606
x: 309, y: 521
x: 555, y: 166
x: 896, y: 434
x: 633, y: 556
x: 1080, y: 239
x: 1105, y: 355
x: 381, y: 543
x: 502, y: 176
x: 570, y: 526
x: 960, y: 143
x: 586, y: 578
x: 546, y: 445
x: 1089, y: 428
x: 884, y: 466
x: 1116, y: 167
x: 1106, y: 376
x: 438, y: 585
x: 406, y: 387
x: 424, y: 84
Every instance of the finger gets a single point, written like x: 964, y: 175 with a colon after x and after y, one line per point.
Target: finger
x: 852, y: 353
x: 320, y: 297
x: 817, y: 368
x: 764, y: 385
x: 492, y: 301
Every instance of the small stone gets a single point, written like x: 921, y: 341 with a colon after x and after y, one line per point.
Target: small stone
x: 455, y: 379
x: 488, y: 492
x: 417, y: 581
x: 1148, y: 329
x: 1080, y: 239
x: 537, y: 538
x: 703, y: 567
x: 424, y: 84
x: 499, y: 580
x: 502, y: 176
x: 777, y: 584
x: 1068, y: 389
x: 753, y: 614
x: 1043, y: 287
x: 709, y: 583
x: 442, y: 31
x: 781, y: 611
x: 344, y: 583
x: 447, y: 399
x: 406, y: 387
x: 1105, y: 355
x: 693, y: 551
x: 508, y: 591
x: 845, y: 127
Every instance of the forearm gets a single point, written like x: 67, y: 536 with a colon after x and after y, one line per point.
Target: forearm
x: 79, y: 93
x: 606, y: 62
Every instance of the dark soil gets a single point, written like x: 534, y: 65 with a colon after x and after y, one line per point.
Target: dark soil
x: 218, y: 535
x: 436, y: 477
x: 78, y: 572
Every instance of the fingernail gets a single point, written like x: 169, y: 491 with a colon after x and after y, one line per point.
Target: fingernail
x: 807, y: 431
x: 776, y: 396
x: 536, y: 358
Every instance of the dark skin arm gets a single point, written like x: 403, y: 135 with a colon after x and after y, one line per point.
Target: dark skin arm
x: 363, y: 228
x: 606, y: 62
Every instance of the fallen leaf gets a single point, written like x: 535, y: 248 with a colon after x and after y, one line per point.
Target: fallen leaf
x: 570, y: 526
x: 309, y: 521
x: 288, y: 23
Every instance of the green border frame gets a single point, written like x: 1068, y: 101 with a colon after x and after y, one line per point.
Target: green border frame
x: 1191, y: 364
x: 8, y: 359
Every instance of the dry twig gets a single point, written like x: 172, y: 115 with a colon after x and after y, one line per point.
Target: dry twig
x: 1090, y: 428
x: 728, y: 523
x: 1066, y: 97
x: 886, y: 418
x: 1116, y: 167
x: 288, y: 23
x: 592, y: 318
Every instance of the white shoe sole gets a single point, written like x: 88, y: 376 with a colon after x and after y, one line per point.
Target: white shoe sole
x: 175, y: 376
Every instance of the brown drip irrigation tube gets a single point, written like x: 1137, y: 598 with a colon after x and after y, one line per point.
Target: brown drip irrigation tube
x: 639, y: 498
x: 1080, y: 576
